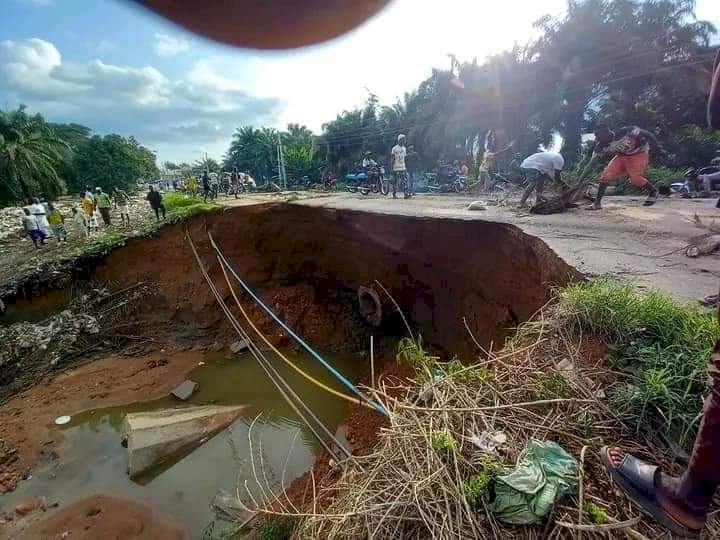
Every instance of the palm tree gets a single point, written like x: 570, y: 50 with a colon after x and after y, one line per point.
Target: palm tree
x: 29, y: 154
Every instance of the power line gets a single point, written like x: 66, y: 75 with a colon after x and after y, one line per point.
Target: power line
x: 364, y: 133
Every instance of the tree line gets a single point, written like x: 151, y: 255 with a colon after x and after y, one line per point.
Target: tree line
x: 44, y: 159
x: 617, y: 62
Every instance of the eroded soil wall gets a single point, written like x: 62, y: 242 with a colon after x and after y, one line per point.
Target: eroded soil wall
x: 308, y: 263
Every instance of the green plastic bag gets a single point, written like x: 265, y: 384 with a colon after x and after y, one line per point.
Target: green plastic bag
x: 544, y: 474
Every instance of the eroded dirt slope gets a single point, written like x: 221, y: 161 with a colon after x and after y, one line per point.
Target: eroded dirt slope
x: 307, y: 263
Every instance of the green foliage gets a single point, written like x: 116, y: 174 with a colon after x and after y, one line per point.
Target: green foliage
x: 662, y: 344
x: 476, y: 487
x: 565, y: 80
x: 444, y: 442
x: 693, y: 146
x: 429, y: 367
x: 468, y: 374
x: 42, y: 159
x: 102, y: 244
x: 552, y: 386
x: 30, y: 156
x: 113, y: 161
x: 412, y: 352
x: 277, y: 528
x: 207, y: 164
x: 597, y: 513
x: 180, y: 207
x: 255, y: 150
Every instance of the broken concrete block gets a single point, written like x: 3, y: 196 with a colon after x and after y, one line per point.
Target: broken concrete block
x: 154, y: 437
x: 239, y: 345
x: 185, y: 390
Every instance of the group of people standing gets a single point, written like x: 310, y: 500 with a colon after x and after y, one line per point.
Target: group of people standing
x: 40, y: 218
x: 97, y: 205
x: 43, y: 219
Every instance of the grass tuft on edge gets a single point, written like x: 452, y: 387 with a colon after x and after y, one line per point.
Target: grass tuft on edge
x: 663, y: 345
x: 180, y: 207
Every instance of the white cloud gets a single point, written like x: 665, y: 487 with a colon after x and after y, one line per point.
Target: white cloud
x: 173, y: 115
x: 166, y: 45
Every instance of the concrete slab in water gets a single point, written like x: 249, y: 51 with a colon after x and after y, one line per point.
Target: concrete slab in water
x: 185, y: 390
x: 154, y: 437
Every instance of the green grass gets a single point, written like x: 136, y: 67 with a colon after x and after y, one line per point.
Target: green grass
x: 552, y: 386
x: 476, y: 487
x: 102, y: 244
x: 277, y: 528
x: 597, y: 513
x: 444, y: 442
x: 662, y: 344
x: 413, y: 353
x: 430, y: 367
x: 180, y: 207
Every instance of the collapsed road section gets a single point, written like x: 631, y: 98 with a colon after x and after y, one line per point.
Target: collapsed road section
x: 321, y: 271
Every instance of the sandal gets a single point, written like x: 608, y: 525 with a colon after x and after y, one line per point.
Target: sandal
x: 637, y: 479
x: 593, y: 206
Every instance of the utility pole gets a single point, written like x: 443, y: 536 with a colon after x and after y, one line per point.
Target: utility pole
x: 281, y: 164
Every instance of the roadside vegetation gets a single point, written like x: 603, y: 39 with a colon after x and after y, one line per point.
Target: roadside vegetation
x: 181, y: 207
x: 435, y: 469
x: 44, y: 159
x: 662, y: 345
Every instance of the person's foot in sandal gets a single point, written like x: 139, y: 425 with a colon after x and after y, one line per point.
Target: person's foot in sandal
x: 594, y: 206
x: 657, y: 494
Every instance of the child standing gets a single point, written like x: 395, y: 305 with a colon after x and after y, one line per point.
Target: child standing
x: 88, y: 206
x: 31, y: 226
x: 57, y: 223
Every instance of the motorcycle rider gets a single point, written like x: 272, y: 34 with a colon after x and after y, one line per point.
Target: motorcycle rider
x: 370, y: 167
x: 368, y: 160
x: 397, y: 163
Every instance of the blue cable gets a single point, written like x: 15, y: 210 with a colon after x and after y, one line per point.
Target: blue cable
x: 378, y: 407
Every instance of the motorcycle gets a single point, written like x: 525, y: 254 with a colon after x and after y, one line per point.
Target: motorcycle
x: 369, y: 179
x: 355, y: 180
x: 447, y: 180
x: 694, y: 182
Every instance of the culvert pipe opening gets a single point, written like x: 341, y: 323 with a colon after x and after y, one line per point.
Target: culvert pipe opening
x: 370, y: 305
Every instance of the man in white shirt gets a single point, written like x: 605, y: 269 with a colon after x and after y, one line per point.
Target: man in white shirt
x: 397, y: 163
x: 538, y: 168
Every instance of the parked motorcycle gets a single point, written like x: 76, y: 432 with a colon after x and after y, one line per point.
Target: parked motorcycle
x: 447, y: 180
x: 367, y: 180
x: 696, y: 180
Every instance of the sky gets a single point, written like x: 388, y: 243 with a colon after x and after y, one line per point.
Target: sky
x: 117, y: 68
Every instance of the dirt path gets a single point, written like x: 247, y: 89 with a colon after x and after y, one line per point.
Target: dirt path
x: 27, y: 431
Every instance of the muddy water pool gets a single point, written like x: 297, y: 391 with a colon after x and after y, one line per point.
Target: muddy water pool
x: 182, y: 491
